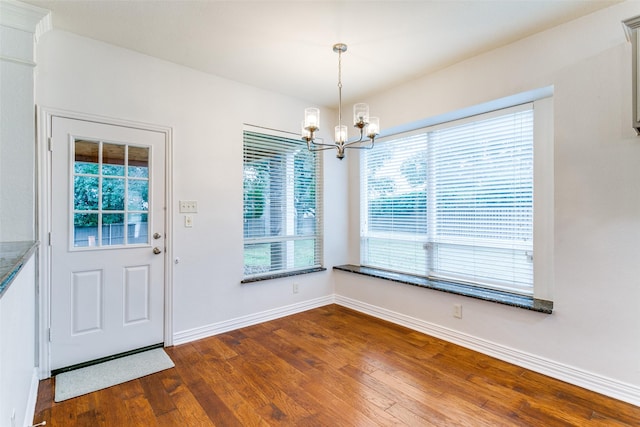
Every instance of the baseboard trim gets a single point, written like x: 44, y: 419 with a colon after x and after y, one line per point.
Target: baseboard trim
x: 206, y: 331
x: 603, y: 385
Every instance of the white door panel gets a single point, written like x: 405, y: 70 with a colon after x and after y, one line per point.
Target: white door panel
x: 86, y: 301
x: 137, y: 287
x: 107, y: 287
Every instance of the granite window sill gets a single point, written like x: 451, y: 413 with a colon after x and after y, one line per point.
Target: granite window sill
x: 514, y: 300
x: 280, y: 275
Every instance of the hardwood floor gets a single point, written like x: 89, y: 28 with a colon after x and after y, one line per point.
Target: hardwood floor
x: 332, y: 366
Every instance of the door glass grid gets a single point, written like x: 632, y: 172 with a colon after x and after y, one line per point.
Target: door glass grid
x: 111, y: 194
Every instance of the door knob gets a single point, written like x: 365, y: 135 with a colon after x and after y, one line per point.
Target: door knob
x: 157, y: 250
x: 157, y: 236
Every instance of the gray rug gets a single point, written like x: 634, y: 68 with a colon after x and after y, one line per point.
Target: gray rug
x: 92, y: 378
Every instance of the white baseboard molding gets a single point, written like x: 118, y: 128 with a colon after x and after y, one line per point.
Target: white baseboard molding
x: 248, y: 320
x: 606, y: 386
x: 33, y: 399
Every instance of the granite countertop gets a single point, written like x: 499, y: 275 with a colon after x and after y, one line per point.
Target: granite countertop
x: 13, y: 255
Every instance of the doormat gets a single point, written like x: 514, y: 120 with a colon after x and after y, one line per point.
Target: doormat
x: 97, y: 377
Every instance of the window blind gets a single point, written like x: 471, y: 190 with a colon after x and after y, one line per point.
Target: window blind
x: 281, y: 194
x: 454, y: 202
x: 394, y: 206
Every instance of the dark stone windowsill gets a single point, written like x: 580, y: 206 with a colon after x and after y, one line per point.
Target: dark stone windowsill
x: 280, y: 275
x: 500, y: 297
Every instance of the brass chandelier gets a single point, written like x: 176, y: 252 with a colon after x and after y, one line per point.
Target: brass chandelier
x: 368, y: 126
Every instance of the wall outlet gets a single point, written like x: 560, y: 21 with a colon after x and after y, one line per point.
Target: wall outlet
x: 188, y: 206
x: 188, y: 221
x: 457, y: 311
x: 295, y: 288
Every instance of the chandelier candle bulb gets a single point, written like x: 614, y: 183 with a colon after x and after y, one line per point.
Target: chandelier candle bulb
x: 312, y: 119
x: 373, y: 128
x: 360, y: 114
x: 341, y: 133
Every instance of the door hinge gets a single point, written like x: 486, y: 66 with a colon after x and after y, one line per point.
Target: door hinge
x: 49, y: 143
x: 49, y: 238
x: 49, y: 333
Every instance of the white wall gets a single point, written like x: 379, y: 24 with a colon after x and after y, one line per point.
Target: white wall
x: 207, y: 115
x: 593, y: 336
x: 17, y: 136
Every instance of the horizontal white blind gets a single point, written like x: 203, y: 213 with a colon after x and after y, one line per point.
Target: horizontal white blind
x: 282, y: 219
x: 470, y: 184
x: 482, y: 187
x: 394, y: 214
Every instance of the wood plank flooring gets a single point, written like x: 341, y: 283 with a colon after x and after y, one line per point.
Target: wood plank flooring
x: 332, y: 366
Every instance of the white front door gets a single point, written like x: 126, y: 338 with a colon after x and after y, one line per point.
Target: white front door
x: 107, y: 240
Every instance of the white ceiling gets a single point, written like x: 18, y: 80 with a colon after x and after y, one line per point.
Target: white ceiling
x: 286, y: 46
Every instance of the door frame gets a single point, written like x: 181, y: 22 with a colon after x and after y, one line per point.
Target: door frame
x: 44, y: 192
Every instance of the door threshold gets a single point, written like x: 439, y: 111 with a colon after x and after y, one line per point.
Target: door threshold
x: 55, y: 372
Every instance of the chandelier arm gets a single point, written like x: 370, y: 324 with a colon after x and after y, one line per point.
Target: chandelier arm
x: 319, y: 146
x: 362, y: 147
x: 357, y: 141
x: 368, y: 147
x: 312, y: 149
x: 322, y: 144
x: 349, y: 144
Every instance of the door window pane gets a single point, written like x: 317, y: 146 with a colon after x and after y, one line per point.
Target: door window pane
x: 138, y: 195
x: 112, y: 194
x: 113, y: 159
x: 137, y: 230
x: 138, y: 162
x: 85, y: 193
x: 85, y: 229
x: 86, y: 157
x: 112, y: 229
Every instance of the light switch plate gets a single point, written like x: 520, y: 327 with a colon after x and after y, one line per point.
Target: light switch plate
x: 188, y: 206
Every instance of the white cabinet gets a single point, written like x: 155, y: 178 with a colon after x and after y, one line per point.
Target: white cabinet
x: 18, y: 379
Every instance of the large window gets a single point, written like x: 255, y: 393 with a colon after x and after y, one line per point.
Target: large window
x: 454, y: 202
x: 282, y: 216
